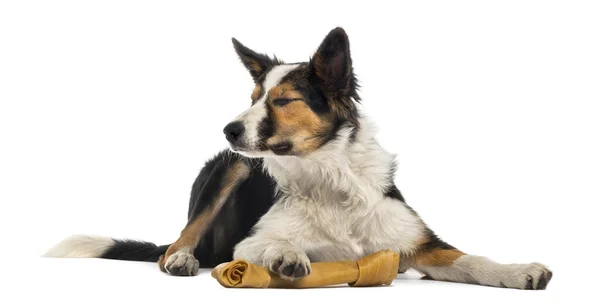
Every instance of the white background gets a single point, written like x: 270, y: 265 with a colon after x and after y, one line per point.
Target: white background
x: 110, y: 108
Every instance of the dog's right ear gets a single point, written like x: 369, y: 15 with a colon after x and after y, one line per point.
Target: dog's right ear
x: 258, y: 64
x: 332, y: 65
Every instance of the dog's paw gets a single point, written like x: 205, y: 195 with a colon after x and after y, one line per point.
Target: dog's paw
x: 182, y: 264
x: 289, y: 264
x: 534, y: 276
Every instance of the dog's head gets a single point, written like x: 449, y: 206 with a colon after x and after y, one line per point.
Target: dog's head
x: 296, y: 108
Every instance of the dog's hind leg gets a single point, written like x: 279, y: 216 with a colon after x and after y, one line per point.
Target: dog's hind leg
x: 440, y: 261
x: 220, y: 182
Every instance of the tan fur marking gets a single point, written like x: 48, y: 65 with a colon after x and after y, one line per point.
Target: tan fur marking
x: 295, y: 122
x: 193, y: 232
x: 256, y: 67
x: 286, y: 91
x: 161, y: 263
x: 319, y: 65
x: 438, y: 257
x: 257, y: 93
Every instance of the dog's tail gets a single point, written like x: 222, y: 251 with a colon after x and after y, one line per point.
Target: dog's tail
x: 108, y: 248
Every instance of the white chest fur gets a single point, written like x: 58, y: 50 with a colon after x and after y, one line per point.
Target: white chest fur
x: 329, y: 231
x: 332, y: 203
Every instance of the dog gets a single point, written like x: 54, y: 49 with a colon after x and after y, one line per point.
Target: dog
x: 304, y: 180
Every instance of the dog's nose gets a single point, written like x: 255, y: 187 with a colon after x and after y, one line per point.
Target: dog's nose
x: 233, y: 131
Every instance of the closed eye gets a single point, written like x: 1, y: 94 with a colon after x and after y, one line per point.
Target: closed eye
x: 283, y: 101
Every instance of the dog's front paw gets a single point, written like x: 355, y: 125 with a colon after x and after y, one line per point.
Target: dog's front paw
x: 182, y: 264
x: 289, y: 264
x: 534, y: 276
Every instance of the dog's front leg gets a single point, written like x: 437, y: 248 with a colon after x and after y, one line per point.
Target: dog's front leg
x: 222, y: 183
x: 280, y: 256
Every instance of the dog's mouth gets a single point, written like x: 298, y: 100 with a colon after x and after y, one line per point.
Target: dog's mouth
x: 281, y: 148
x: 248, y: 152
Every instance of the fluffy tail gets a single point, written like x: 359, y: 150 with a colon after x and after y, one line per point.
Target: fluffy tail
x: 104, y: 247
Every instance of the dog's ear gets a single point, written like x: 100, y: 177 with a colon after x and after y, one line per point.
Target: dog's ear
x: 332, y: 65
x: 258, y: 64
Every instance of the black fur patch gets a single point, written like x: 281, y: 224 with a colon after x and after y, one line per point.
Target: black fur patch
x: 434, y: 242
x: 257, y: 64
x: 266, y: 129
x: 135, y: 251
x: 394, y: 192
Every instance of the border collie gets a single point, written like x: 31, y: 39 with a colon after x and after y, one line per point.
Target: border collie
x: 304, y: 180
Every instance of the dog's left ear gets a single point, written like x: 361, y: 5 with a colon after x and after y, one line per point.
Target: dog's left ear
x: 258, y: 64
x: 332, y: 65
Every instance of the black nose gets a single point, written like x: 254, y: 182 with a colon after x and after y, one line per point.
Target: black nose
x: 233, y: 131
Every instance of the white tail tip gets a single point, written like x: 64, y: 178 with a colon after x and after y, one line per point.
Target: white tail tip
x: 81, y: 247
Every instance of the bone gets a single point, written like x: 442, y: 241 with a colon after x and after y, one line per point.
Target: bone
x: 376, y: 269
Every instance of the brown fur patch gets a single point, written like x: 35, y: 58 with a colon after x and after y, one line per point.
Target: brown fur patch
x: 319, y: 66
x: 161, y: 263
x: 284, y: 91
x: 437, y: 257
x: 257, y: 93
x: 256, y: 67
x: 295, y: 122
x: 193, y: 232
